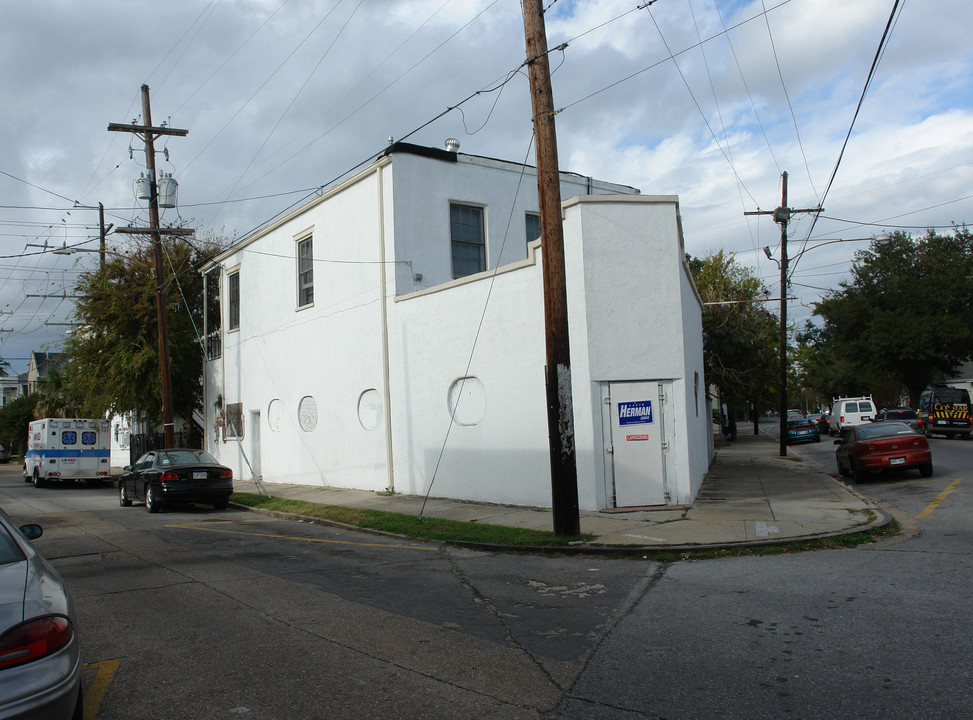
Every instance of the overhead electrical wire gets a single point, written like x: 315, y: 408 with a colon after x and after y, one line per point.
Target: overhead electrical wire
x: 879, y: 52
x: 299, y: 91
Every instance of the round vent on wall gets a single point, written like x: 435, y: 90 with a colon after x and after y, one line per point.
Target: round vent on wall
x: 307, y: 413
x: 370, y: 409
x: 467, y: 401
x: 274, y: 412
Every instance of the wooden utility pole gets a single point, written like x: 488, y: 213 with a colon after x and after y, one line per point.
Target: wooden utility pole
x: 782, y: 216
x: 560, y: 414
x: 149, y: 134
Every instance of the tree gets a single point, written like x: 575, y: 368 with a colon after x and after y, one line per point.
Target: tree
x: 904, y: 320
x: 740, y: 348
x: 15, y: 419
x: 113, y: 357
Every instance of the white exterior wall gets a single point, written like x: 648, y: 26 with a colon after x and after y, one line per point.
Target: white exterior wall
x: 330, y: 351
x: 635, y: 316
x: 628, y: 300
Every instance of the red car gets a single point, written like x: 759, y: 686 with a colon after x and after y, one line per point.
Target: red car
x: 864, y: 449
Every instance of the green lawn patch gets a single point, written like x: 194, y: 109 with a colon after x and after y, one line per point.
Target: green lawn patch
x: 409, y: 525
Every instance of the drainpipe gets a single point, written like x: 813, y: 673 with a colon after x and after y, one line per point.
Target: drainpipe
x: 390, y: 486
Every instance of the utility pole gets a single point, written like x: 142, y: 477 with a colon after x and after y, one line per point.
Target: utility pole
x: 149, y: 134
x: 782, y: 216
x: 560, y: 414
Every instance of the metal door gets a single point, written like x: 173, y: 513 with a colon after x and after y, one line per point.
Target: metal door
x: 634, y: 423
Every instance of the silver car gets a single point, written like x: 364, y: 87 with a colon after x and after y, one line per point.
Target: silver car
x: 40, y: 653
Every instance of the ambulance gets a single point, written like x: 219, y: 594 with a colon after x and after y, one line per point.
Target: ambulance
x: 68, y: 449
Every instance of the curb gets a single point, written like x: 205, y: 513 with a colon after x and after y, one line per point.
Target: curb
x: 884, y: 519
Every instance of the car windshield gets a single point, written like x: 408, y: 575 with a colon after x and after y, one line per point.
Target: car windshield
x: 185, y: 457
x: 881, y: 430
x: 901, y: 414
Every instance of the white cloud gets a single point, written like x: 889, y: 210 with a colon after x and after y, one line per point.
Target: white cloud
x: 272, y: 107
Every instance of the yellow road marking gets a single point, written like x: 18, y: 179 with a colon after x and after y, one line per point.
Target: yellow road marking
x: 96, y: 693
x: 313, y: 540
x: 939, y: 498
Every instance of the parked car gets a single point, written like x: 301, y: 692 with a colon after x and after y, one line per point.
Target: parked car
x: 906, y: 415
x: 40, y: 652
x: 824, y: 423
x: 178, y: 475
x: 847, y: 412
x: 4, y: 455
x: 800, y: 429
x: 889, y: 445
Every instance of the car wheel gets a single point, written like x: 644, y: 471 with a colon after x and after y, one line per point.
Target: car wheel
x: 926, y: 470
x: 859, y: 475
x: 221, y: 504
x: 27, y: 477
x: 151, y: 501
x: 123, y: 498
x: 39, y: 482
x: 842, y: 472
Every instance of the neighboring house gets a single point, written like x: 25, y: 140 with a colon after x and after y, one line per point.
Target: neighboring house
x: 10, y: 388
x: 41, y: 363
x: 963, y: 378
x: 389, y: 336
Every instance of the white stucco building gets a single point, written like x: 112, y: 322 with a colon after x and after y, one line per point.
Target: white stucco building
x: 389, y: 335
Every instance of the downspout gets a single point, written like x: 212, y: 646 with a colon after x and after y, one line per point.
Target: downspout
x: 390, y: 486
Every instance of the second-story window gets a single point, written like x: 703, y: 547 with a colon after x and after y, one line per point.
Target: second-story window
x: 467, y: 239
x: 305, y: 272
x: 214, y: 346
x: 533, y: 223
x: 233, y: 301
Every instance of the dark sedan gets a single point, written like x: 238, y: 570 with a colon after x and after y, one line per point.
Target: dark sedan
x: 906, y: 415
x: 40, y: 654
x: 889, y: 445
x: 176, y: 476
x: 801, y: 429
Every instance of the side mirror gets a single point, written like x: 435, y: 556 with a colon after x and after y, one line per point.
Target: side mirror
x: 837, y: 442
x: 127, y: 468
x: 32, y: 531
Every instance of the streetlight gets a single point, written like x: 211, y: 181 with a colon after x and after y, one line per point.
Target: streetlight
x: 882, y: 239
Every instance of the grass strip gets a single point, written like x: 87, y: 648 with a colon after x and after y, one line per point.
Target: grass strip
x: 411, y: 526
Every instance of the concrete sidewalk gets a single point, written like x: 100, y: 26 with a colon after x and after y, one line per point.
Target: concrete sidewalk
x: 750, y: 496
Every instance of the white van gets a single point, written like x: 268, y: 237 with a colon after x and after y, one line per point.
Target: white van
x: 848, y: 412
x: 67, y: 449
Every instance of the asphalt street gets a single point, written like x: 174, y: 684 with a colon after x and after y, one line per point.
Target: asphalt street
x: 193, y: 613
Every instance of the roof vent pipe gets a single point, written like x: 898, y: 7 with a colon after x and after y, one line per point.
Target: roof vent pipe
x: 452, y: 144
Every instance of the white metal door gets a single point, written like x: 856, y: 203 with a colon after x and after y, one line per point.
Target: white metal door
x: 636, y: 447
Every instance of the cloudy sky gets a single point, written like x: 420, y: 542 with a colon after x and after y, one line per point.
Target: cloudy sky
x: 710, y: 100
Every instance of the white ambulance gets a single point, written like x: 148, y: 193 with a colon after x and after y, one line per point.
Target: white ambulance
x: 68, y: 449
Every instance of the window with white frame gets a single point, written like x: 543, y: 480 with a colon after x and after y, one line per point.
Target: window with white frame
x: 467, y: 239
x: 233, y: 301
x: 305, y: 272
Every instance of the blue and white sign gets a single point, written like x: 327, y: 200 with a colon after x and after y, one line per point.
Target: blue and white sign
x: 635, y: 413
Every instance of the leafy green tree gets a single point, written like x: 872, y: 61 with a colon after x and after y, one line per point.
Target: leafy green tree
x: 904, y: 320
x: 15, y: 419
x: 113, y: 356
x: 741, y: 336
